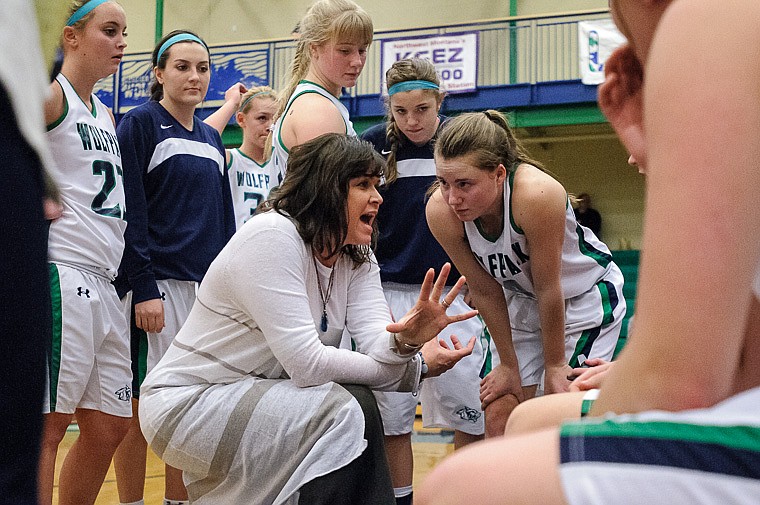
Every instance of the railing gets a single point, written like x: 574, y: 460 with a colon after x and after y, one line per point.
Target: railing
x: 514, y: 50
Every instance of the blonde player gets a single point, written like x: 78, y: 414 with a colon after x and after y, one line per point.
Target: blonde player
x: 89, y: 359
x: 248, y: 165
x: 332, y: 49
x: 509, y: 227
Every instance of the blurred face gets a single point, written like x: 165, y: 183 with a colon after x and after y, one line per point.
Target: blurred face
x: 471, y: 193
x: 257, y: 120
x: 363, y: 203
x: 339, y: 63
x: 102, y: 40
x: 416, y: 114
x: 187, y: 74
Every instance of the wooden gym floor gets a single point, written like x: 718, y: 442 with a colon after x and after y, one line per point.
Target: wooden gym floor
x: 429, y: 446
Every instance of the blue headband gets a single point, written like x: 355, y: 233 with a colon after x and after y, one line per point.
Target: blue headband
x: 410, y: 85
x: 247, y: 100
x: 180, y: 37
x: 84, y: 10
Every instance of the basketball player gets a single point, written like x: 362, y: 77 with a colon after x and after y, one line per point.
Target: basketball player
x: 89, y: 359
x: 330, y: 54
x: 547, y: 287
x: 248, y: 165
x: 180, y: 217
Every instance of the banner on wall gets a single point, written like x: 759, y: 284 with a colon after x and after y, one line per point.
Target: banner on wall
x: 104, y: 90
x: 455, y: 57
x: 229, y: 65
x: 596, y: 41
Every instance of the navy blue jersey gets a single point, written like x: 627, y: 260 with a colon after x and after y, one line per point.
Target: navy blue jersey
x: 406, y: 248
x: 179, y: 206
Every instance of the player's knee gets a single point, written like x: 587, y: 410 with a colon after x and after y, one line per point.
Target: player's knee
x: 520, y: 419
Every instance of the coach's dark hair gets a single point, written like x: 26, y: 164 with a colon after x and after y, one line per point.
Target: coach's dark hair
x: 156, y: 88
x: 315, y: 191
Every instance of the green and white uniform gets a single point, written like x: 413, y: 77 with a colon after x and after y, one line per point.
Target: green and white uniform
x: 591, y: 282
x: 278, y: 166
x: 89, y: 358
x: 249, y: 183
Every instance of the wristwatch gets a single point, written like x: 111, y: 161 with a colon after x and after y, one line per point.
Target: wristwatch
x: 424, y: 367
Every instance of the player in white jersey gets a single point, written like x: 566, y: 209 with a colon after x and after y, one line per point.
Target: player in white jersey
x: 248, y: 165
x: 509, y: 227
x: 89, y: 359
x: 332, y: 49
x: 681, y: 405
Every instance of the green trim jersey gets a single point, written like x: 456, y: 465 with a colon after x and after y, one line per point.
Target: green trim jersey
x: 90, y: 233
x: 586, y: 260
x: 692, y: 457
x: 249, y: 183
x: 280, y: 153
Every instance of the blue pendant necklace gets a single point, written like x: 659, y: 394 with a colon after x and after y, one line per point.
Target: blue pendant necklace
x: 324, y: 296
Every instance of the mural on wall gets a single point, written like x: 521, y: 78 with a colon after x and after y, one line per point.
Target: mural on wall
x: 229, y: 64
x: 104, y: 89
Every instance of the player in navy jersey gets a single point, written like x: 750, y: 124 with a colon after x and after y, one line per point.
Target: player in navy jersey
x: 405, y: 251
x: 180, y: 216
x: 88, y: 361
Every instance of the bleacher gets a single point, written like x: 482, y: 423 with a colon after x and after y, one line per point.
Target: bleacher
x: 628, y: 261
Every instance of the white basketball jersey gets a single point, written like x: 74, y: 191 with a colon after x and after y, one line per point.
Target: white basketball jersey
x: 280, y: 154
x: 90, y: 233
x: 249, y: 183
x: 585, y: 258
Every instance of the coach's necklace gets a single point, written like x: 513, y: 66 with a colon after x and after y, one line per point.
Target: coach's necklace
x: 325, y: 296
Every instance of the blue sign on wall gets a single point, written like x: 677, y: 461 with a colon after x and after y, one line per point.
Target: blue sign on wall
x: 104, y: 89
x: 135, y: 74
x: 239, y: 63
x: 229, y: 64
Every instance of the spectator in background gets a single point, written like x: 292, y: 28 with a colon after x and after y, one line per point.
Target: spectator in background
x: 588, y: 216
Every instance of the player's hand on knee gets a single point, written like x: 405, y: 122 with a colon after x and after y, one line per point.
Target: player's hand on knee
x: 557, y: 378
x: 499, y: 382
x: 149, y: 315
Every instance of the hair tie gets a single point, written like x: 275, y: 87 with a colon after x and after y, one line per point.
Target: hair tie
x: 84, y: 10
x: 411, y: 85
x: 180, y: 37
x: 245, y: 102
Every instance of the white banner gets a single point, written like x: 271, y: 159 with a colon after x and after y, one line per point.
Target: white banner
x: 455, y: 57
x: 596, y: 41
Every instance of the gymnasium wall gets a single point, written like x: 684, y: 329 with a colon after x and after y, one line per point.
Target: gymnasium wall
x: 583, y: 161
